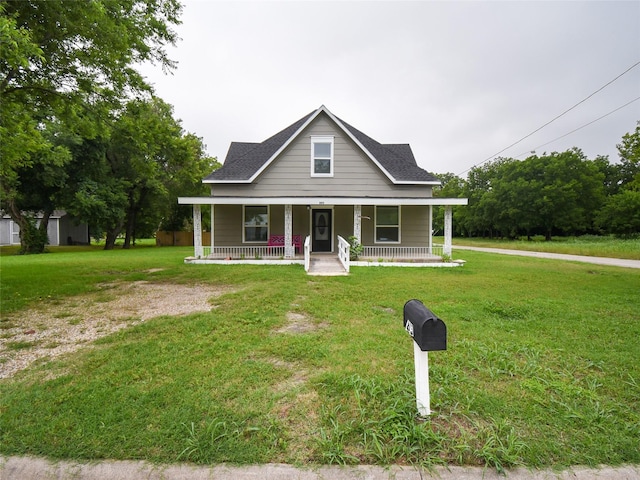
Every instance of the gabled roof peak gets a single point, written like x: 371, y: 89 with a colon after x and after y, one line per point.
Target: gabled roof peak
x: 246, y: 161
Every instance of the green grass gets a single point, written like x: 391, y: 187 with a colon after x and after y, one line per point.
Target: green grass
x: 590, y: 245
x: 541, y: 369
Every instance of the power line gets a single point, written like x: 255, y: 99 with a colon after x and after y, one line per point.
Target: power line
x: 580, y: 128
x: 553, y: 119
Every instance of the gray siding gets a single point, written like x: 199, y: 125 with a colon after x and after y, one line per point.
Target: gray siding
x: 5, y: 231
x: 368, y: 224
x: 59, y: 229
x: 69, y: 231
x: 228, y: 225
x: 342, y: 222
x: 355, y: 175
x: 53, y: 231
x: 301, y: 221
x: 414, y: 224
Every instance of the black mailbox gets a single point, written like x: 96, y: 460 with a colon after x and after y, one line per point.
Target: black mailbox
x: 427, y: 330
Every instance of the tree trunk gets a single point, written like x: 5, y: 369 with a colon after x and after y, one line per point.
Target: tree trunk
x: 33, y: 238
x: 112, y: 236
x: 111, y: 240
x: 131, y: 219
x: 132, y: 214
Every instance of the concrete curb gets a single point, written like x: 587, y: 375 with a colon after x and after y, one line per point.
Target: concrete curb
x: 34, y: 468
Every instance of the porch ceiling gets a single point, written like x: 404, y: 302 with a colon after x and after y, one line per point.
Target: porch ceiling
x: 315, y: 201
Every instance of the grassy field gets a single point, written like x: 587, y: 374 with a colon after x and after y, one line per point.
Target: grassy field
x: 542, y: 366
x: 589, y: 245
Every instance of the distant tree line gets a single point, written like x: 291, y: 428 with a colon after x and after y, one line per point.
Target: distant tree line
x: 80, y: 128
x: 561, y: 193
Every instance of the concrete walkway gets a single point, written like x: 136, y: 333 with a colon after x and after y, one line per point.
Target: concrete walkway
x: 28, y: 468
x: 612, y: 262
x: 327, y: 265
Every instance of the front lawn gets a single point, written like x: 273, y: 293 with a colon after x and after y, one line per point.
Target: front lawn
x: 542, y: 366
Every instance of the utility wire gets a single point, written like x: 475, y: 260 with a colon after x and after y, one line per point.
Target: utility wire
x: 580, y: 128
x: 553, y: 119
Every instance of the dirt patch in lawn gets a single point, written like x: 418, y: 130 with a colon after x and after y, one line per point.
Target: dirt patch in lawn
x: 56, y: 327
x: 300, y: 323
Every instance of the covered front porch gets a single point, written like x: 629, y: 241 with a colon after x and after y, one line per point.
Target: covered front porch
x: 389, y: 231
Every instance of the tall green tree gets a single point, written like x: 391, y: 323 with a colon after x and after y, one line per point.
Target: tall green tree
x: 621, y: 213
x: 557, y: 192
x: 553, y: 193
x: 152, y: 157
x: 629, y: 152
x: 481, y: 218
x: 69, y: 62
x: 452, y: 187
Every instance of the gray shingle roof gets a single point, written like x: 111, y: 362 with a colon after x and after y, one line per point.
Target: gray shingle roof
x: 245, y: 159
x: 397, y: 159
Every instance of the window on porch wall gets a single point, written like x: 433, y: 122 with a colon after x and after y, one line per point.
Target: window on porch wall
x: 256, y: 223
x: 387, y: 224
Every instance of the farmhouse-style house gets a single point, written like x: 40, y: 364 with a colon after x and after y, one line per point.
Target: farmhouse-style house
x: 310, y: 187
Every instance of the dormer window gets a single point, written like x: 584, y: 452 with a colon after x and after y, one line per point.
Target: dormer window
x: 322, y: 156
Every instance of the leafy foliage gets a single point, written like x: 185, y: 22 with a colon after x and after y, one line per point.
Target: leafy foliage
x: 65, y: 66
x: 561, y: 193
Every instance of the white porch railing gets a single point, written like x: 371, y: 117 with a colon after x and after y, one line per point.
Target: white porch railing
x: 344, y: 248
x: 264, y: 252
x: 402, y: 253
x: 244, y: 253
x: 307, y: 253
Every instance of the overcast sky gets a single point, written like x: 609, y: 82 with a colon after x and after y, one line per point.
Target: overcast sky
x: 458, y: 81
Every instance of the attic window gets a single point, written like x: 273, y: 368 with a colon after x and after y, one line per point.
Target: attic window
x: 322, y: 156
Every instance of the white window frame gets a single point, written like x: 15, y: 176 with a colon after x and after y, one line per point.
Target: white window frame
x: 322, y: 139
x: 244, y: 224
x: 399, y: 226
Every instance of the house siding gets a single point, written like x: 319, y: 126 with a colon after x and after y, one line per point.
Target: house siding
x: 53, y: 231
x: 71, y: 234
x: 342, y: 222
x: 354, y: 175
x: 5, y: 231
x: 228, y: 225
x: 8, y: 226
x: 414, y: 226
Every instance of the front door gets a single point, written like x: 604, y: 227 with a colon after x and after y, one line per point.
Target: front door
x: 321, y: 236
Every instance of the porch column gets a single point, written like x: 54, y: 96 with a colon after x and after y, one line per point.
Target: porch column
x: 213, y: 207
x: 197, y: 232
x: 448, y: 220
x: 357, y: 222
x: 289, y: 249
x: 430, y: 226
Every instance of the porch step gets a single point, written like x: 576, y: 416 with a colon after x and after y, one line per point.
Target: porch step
x: 326, y: 265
